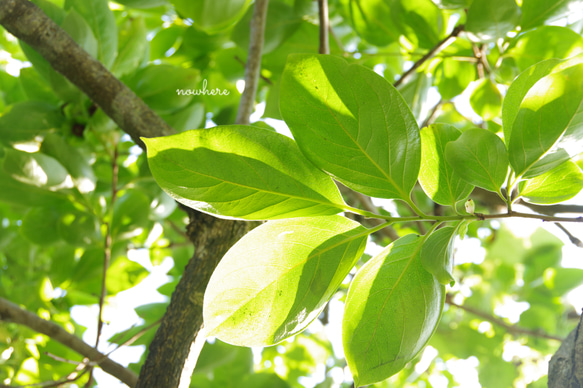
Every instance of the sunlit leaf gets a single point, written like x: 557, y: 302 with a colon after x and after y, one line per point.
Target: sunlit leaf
x: 437, y: 254
x: 557, y: 185
x: 485, y: 99
x: 241, y: 172
x: 35, y: 169
x: 537, y: 12
x: 479, y: 157
x: 273, y: 282
x: 437, y: 176
x: 392, y: 309
x: 352, y: 123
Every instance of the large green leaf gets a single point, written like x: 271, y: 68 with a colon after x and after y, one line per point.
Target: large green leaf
x: 537, y: 12
x: 392, y: 309
x: 19, y: 193
x: 35, y: 169
x: 545, y: 42
x: 437, y: 177
x: 352, y: 123
x: 489, y: 20
x: 102, y: 22
x: 557, y: 185
x: 243, y: 172
x: 549, y: 119
x: 212, y: 16
x: 437, y: 254
x: 479, y: 157
x: 373, y: 20
x: 273, y: 282
x: 26, y: 120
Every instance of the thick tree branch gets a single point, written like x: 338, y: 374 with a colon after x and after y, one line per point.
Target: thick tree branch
x: 10, y: 312
x: 253, y: 67
x: 29, y: 23
x: 512, y: 329
x: 566, y: 366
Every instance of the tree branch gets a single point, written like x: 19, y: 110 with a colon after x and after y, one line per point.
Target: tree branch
x: 10, y: 312
x: 438, y: 47
x: 29, y: 23
x: 324, y: 47
x: 253, y: 68
x: 512, y: 329
x: 566, y: 365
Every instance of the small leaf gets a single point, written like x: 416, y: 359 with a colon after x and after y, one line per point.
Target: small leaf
x: 352, y: 123
x: 557, y: 185
x: 485, y: 99
x: 489, y: 20
x: 392, y: 309
x: 241, y: 172
x: 437, y: 254
x: 437, y: 177
x: 479, y: 157
x: 273, y: 282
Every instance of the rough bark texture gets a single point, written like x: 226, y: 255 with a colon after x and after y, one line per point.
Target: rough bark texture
x: 566, y: 366
x: 31, y: 25
x: 9, y: 312
x: 212, y: 237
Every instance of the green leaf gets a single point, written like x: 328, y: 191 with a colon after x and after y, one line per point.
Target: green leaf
x: 557, y: 185
x: 79, y: 30
x: 562, y: 280
x: 545, y: 42
x: 372, y: 20
x: 437, y: 177
x: 212, y: 16
x: 549, y: 119
x: 74, y: 162
x: 142, y: 3
x: 392, y: 309
x: 242, y: 172
x: 273, y: 282
x: 489, y: 20
x: 352, y: 123
x: 133, y: 45
x: 485, y: 99
x: 102, y: 22
x: 479, y: 157
x: 26, y: 120
x: 16, y: 192
x: 130, y: 214
x: 79, y: 228
x: 124, y: 274
x: 35, y: 169
x: 437, y: 254
x: 157, y: 85
x: 39, y: 225
x: 537, y: 12
x: 452, y: 4
x: 453, y: 76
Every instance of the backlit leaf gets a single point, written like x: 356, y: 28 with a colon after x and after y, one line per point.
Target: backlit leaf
x: 352, y: 123
x: 392, y: 309
x: 479, y: 157
x: 437, y: 254
x: 437, y: 177
x: 537, y: 12
x: 557, y: 185
x: 273, y: 282
x: 241, y: 172
x: 485, y: 99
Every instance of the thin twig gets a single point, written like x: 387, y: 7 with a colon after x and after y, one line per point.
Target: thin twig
x: 253, y: 67
x: 431, y: 115
x: 512, y: 329
x: 324, y: 47
x: 578, y: 243
x: 443, y: 43
x: 136, y: 336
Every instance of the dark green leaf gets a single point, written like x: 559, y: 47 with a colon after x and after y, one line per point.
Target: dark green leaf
x: 557, y: 185
x: 479, y: 157
x: 142, y: 3
x: 437, y: 177
x: 40, y: 226
x: 489, y: 20
x: 392, y: 309
x: 365, y: 136
x: 132, y: 46
x: 80, y: 31
x: 26, y: 120
x: 16, y: 192
x: 35, y: 169
x: 242, y: 172
x: 79, y: 228
x: 277, y: 278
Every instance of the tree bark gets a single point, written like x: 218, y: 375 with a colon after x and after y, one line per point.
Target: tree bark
x: 566, y: 366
